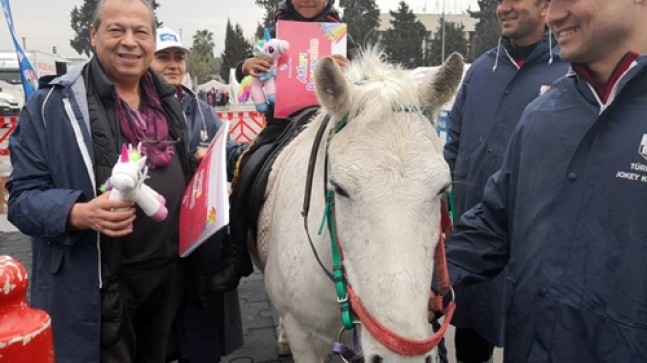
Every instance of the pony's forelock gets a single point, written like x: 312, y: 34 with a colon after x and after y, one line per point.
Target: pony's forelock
x: 379, y: 86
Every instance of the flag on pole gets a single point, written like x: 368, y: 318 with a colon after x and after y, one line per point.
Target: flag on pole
x: 27, y: 73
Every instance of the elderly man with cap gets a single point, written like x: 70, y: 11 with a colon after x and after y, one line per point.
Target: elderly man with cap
x: 203, y: 333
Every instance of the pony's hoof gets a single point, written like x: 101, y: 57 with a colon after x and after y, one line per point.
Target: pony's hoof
x: 283, y: 349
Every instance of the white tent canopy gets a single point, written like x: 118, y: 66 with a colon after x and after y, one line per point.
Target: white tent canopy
x: 213, y: 84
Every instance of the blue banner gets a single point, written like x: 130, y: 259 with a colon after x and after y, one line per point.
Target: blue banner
x: 27, y: 73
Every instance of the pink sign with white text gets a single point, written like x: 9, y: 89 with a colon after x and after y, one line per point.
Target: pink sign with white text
x: 309, y: 42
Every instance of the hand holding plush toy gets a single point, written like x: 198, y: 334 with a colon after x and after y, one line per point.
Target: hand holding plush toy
x: 127, y: 182
x: 263, y: 88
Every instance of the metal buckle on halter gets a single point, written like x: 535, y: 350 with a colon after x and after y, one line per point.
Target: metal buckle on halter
x: 342, y: 299
x: 347, y: 354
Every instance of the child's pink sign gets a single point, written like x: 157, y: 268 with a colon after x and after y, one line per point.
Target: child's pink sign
x: 309, y: 42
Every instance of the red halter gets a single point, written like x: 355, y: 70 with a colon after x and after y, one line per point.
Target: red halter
x: 403, y: 345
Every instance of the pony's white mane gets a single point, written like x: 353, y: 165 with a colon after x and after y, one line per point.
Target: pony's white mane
x: 383, y: 85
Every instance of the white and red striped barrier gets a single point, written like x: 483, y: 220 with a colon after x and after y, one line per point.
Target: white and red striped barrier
x: 244, y: 125
x: 8, y: 124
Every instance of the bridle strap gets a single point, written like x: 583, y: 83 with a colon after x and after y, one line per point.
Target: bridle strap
x: 394, y: 342
x: 308, y: 191
x: 440, y: 265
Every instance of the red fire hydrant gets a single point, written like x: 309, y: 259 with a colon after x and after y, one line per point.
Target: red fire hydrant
x: 25, y: 333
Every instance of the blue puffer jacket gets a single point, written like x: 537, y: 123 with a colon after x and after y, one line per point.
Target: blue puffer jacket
x: 566, y: 212
x: 53, y: 167
x: 487, y: 109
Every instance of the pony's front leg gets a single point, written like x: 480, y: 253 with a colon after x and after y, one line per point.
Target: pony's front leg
x: 306, y: 347
x: 282, y: 344
x: 258, y: 95
x: 151, y: 203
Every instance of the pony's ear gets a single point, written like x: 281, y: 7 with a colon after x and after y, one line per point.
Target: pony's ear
x: 266, y: 35
x: 440, y: 86
x: 332, y: 88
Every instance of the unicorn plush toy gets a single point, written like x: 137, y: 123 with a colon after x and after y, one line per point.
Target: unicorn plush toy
x: 127, y: 182
x: 263, y: 88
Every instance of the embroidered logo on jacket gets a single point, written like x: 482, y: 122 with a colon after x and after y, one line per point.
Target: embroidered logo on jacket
x: 638, y: 171
x: 642, y: 149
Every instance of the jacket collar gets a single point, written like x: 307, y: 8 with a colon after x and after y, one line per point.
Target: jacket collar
x: 622, y: 75
x: 546, y: 50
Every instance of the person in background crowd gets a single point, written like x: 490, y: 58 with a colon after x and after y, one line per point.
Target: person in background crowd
x: 109, y: 276
x: 208, y: 324
x: 565, y: 212
x: 495, y: 91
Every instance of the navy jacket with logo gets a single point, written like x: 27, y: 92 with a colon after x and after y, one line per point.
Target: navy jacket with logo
x: 490, y: 102
x: 567, y: 214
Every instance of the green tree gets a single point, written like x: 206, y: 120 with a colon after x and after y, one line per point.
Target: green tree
x: 237, y: 48
x: 201, y: 62
x: 487, y: 30
x: 403, y: 41
x: 269, y: 20
x: 80, y: 20
x: 363, y: 19
x: 454, y: 42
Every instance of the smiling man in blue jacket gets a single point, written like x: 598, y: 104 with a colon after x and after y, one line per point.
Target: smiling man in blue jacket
x: 496, y: 89
x: 111, y: 282
x: 566, y: 211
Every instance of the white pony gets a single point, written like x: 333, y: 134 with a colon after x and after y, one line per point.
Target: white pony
x: 384, y: 167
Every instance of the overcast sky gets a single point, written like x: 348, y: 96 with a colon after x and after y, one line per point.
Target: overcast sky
x: 46, y: 23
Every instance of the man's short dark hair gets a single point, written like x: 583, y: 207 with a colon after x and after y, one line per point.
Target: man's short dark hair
x: 96, y: 16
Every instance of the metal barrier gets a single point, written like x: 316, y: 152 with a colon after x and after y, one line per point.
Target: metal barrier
x: 244, y: 125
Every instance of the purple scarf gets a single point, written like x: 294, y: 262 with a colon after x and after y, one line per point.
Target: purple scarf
x: 147, y: 125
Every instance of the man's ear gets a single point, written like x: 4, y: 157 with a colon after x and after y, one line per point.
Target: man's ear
x: 92, y: 32
x: 544, y: 9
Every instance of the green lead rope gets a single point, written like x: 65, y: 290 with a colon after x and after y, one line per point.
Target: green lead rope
x: 452, y: 206
x: 338, y: 268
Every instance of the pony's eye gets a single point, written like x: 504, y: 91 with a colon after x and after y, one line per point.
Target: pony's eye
x: 444, y: 190
x: 339, y: 190
x: 270, y: 50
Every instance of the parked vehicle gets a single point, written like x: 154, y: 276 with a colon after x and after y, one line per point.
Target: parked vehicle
x: 9, y: 105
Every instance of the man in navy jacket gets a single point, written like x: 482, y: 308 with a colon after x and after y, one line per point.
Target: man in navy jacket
x: 566, y: 211
x: 111, y: 282
x: 496, y: 89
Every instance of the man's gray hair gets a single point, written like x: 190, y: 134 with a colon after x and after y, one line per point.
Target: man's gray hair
x: 96, y: 16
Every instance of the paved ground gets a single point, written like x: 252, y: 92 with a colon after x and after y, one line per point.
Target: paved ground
x: 258, y: 317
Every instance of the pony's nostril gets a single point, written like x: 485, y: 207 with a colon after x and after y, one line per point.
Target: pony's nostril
x: 376, y: 359
x: 428, y: 359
